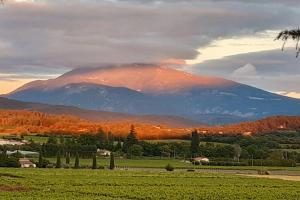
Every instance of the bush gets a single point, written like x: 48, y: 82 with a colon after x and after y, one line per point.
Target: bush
x: 43, y: 163
x: 135, y: 150
x: 226, y: 163
x: 169, y: 168
x: 10, y: 162
x: 274, y: 162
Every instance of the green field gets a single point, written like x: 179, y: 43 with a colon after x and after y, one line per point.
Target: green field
x: 105, y: 184
x: 36, y: 139
x: 145, y: 162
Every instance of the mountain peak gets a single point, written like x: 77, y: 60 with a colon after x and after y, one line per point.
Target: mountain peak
x: 146, y: 78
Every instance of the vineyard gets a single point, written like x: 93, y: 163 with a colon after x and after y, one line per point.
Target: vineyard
x: 104, y: 184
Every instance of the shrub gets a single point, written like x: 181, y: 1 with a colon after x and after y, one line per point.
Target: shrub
x: 169, y: 168
x: 10, y: 162
x: 42, y: 163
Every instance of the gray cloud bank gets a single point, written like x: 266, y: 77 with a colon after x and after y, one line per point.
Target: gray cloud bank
x: 77, y: 34
x: 271, y: 70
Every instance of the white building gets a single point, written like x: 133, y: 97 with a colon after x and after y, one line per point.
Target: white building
x: 26, y: 163
x: 11, y: 142
x: 23, y: 153
x: 201, y: 160
x: 103, y: 152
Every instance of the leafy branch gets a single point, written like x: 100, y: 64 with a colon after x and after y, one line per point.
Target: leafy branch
x: 286, y: 35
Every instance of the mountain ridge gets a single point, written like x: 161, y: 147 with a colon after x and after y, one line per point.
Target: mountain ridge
x: 97, y: 116
x: 144, y: 89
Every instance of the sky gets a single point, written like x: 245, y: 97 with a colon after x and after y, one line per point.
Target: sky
x: 233, y: 39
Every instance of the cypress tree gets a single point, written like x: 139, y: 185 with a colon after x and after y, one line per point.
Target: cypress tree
x: 68, y: 158
x: 195, y: 141
x: 76, y: 161
x: 112, y: 161
x: 58, y: 160
x: 40, y: 160
x: 94, y: 161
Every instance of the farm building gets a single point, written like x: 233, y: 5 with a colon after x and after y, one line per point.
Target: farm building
x: 103, y: 152
x: 11, y: 142
x: 26, y: 163
x: 200, y: 160
x: 23, y: 153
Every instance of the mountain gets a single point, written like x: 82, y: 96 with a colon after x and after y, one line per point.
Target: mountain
x: 158, y: 90
x: 144, y: 78
x: 97, y: 116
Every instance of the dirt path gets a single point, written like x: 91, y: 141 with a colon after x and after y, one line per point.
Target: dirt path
x: 281, y: 177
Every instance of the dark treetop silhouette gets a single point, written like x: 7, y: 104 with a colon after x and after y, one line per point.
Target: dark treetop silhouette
x: 293, y: 34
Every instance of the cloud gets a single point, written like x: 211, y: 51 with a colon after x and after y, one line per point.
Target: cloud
x: 76, y: 34
x: 247, y: 70
x: 272, y: 70
x: 290, y: 94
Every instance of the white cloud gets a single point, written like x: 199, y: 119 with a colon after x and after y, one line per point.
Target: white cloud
x: 222, y: 48
x: 290, y: 94
x: 247, y: 70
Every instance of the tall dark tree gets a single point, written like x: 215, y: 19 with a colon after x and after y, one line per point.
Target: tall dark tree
x: 62, y: 140
x: 76, y: 166
x: 112, y: 161
x: 67, y: 158
x: 110, y: 141
x: 286, y: 35
x: 94, y: 161
x: 58, y: 160
x: 40, y: 164
x: 118, y: 146
x: 195, y: 141
x: 131, y: 139
x: 102, y: 139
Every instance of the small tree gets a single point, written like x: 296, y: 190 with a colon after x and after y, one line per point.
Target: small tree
x: 68, y: 158
x: 62, y: 140
x: 118, y: 146
x: 237, y: 152
x: 169, y: 167
x: 76, y: 166
x: 131, y: 139
x: 94, y: 161
x: 58, y: 160
x: 135, y: 150
x: 112, y: 161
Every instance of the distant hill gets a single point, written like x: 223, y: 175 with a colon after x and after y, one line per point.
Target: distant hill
x: 141, y: 89
x: 98, y: 116
x: 267, y: 125
x: 31, y: 122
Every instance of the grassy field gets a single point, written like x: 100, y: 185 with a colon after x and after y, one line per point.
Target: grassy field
x: 161, y: 163
x: 36, y: 139
x: 105, y: 184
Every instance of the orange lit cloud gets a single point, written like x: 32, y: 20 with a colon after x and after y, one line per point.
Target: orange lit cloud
x: 173, y: 61
x: 10, y: 85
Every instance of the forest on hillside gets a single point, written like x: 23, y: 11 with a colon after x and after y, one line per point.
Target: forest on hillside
x: 26, y: 122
